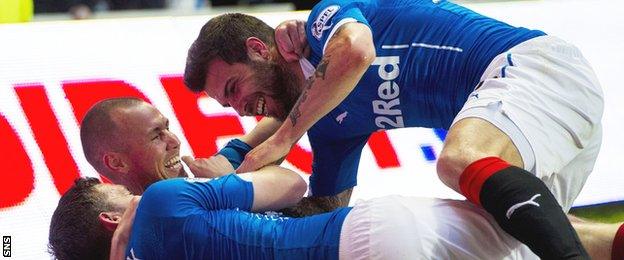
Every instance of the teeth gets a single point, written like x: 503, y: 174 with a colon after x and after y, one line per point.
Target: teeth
x: 173, y: 162
x: 260, y: 106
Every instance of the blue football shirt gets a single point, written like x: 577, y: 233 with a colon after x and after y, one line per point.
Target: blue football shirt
x: 186, y: 218
x: 430, y: 57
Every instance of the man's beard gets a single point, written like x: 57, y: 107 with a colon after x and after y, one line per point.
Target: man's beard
x: 277, y: 79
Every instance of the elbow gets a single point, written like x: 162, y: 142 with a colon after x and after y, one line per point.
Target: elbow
x: 359, y: 49
x: 298, y: 188
x: 292, y: 185
x: 360, y: 54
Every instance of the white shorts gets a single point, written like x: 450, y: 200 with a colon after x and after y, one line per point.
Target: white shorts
x: 397, y: 227
x: 544, y: 95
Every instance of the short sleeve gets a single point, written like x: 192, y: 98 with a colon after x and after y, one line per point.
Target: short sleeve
x: 326, y: 18
x: 180, y: 195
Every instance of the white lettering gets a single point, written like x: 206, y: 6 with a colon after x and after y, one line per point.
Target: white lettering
x: 319, y: 24
x: 388, y: 92
x: 382, y: 107
x: 382, y: 119
x: 382, y: 62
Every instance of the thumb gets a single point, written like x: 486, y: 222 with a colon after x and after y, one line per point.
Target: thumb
x: 247, y: 166
x: 242, y: 168
x: 188, y: 159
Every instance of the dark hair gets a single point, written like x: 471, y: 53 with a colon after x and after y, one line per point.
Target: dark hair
x: 75, y: 231
x: 223, y: 37
x: 98, y: 129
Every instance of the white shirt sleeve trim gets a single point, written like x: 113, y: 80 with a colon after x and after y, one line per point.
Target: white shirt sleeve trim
x: 306, y: 67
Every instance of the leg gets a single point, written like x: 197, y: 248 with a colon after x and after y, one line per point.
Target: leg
x: 520, y: 202
x: 469, y: 140
x: 600, y: 239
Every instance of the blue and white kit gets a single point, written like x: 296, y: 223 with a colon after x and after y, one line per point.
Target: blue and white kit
x: 186, y: 218
x: 430, y: 57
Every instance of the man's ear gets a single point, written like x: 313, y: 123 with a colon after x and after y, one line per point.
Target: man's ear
x: 257, y: 50
x: 115, y: 162
x: 110, y: 220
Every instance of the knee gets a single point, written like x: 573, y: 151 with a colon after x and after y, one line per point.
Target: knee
x: 452, y: 162
x: 448, y: 168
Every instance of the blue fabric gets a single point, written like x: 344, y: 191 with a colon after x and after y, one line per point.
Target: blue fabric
x: 235, y: 151
x: 430, y: 57
x: 188, y: 218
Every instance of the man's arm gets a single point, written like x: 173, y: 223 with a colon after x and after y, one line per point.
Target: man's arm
x: 348, y: 54
x: 263, y: 130
x: 236, y: 150
x: 275, y: 188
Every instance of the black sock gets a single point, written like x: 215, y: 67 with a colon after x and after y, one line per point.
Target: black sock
x: 510, y: 196
x: 525, y: 208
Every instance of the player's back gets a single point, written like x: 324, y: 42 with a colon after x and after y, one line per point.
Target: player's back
x: 189, y: 219
x: 433, y: 52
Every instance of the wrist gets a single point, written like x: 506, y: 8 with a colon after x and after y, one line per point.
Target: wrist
x: 286, y: 135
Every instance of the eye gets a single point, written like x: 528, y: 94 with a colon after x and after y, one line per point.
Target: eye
x: 234, y: 88
x: 230, y: 88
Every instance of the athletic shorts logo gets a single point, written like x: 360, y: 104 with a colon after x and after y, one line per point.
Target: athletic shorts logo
x: 318, y: 27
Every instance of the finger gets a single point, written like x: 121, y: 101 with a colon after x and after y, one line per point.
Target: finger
x: 302, y: 36
x: 188, y: 159
x: 293, y: 33
x: 243, y: 167
x: 282, y: 38
x: 306, y: 51
x: 248, y: 165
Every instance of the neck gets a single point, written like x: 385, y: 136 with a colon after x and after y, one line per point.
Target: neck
x: 132, y: 184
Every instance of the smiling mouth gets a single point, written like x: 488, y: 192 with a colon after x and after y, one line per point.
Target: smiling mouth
x: 173, y: 163
x: 261, y: 106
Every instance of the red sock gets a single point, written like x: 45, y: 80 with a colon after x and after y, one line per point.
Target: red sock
x: 617, y: 249
x: 473, y: 177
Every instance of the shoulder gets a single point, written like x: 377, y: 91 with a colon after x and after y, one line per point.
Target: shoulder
x: 166, y: 197
x: 327, y: 16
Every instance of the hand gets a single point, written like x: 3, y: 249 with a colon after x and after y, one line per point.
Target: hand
x: 268, y: 152
x: 121, y: 236
x: 291, y: 40
x: 212, y: 167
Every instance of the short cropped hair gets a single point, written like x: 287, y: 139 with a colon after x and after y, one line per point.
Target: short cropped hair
x: 98, y: 128
x: 75, y: 231
x: 223, y: 37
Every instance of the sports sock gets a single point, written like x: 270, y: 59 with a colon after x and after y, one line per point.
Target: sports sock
x: 523, y: 207
x: 617, y: 249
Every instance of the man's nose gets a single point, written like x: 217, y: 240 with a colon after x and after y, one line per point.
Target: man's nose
x: 172, y: 140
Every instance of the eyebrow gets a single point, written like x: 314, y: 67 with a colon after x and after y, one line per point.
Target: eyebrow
x: 159, y: 128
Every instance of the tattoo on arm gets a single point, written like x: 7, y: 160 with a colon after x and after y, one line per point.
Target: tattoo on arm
x: 319, y: 73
